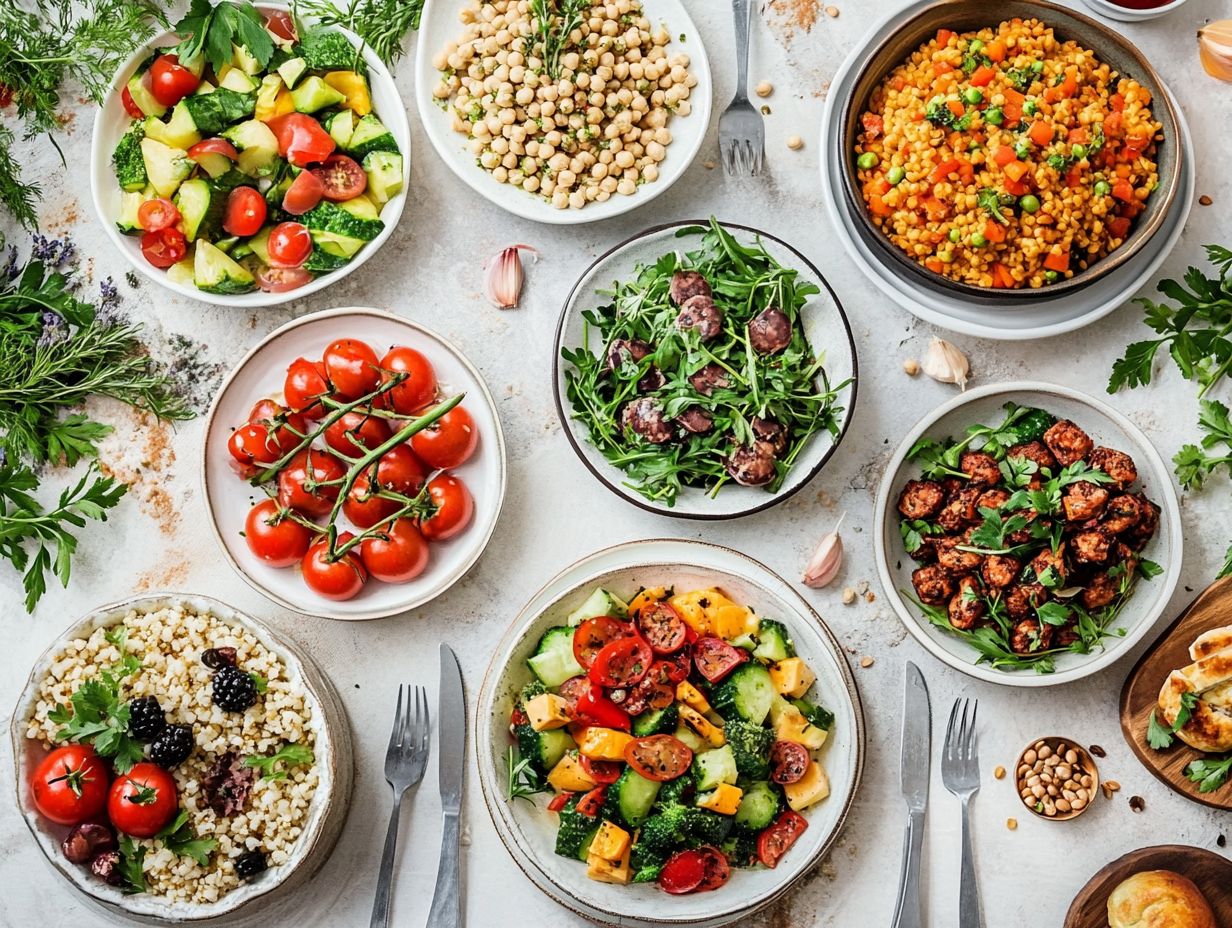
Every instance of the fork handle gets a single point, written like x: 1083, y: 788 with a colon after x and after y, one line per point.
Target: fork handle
x: 909, y: 912
x: 446, y: 911
x: 384, y: 883
x: 969, y: 912
x: 744, y: 16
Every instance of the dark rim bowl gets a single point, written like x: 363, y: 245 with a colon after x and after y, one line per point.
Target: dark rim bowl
x: 967, y: 15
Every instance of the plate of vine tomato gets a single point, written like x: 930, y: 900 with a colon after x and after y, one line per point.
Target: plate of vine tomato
x: 354, y: 466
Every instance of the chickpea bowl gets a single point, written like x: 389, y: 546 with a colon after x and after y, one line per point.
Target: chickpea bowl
x: 570, y: 117
x: 1056, y: 779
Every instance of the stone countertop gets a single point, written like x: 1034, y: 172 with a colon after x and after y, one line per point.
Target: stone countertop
x: 430, y: 270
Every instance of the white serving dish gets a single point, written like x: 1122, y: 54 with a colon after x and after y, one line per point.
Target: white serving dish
x: 1112, y: 11
x: 528, y: 830
x: 439, y: 25
x: 825, y: 324
x: 1108, y: 428
x: 261, y: 373
x: 111, y: 122
x: 321, y: 829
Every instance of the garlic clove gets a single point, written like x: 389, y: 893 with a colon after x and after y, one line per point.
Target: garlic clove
x: 826, y: 561
x: 1215, y: 49
x: 505, y: 276
x: 946, y: 364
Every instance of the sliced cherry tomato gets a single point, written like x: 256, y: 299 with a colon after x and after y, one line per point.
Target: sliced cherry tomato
x: 571, y: 691
x: 657, y: 690
x: 304, y: 386
x: 777, y: 840
x: 338, y: 579
x: 418, y: 389
x: 130, y: 105
x: 289, y: 244
x: 363, y: 507
x: 449, y: 441
x: 399, y: 470
x: 680, y: 664
x: 279, y: 22
x: 282, y: 279
x: 356, y: 433
x: 351, y: 366
x: 454, y: 508
x: 683, y: 872
x: 559, y: 801
x: 273, y: 536
x: 308, y: 484
x: 301, y: 140
x: 621, y: 663
x: 156, y: 214
x: 70, y: 785
x: 246, y: 211
x: 399, y: 554
x: 164, y: 247
x: 593, y: 706
x: 593, y: 634
x: 789, y: 762
x: 304, y: 193
x: 213, y: 147
x: 591, y: 803
x: 142, y: 801
x: 663, y: 628
x: 341, y: 177
x: 518, y: 717
x: 659, y: 757
x: 603, y: 772
x: 170, y: 81
x: 715, y: 658
x: 718, y: 870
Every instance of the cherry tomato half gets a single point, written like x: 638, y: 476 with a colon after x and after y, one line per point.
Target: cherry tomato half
x: 279, y: 22
x: 356, y: 433
x: 304, y: 193
x: 621, y: 663
x: 282, y: 279
x: 338, y: 579
x: 341, y: 177
x: 170, y: 81
x: 656, y: 690
x: 594, y: 707
x: 789, y: 762
x: 270, y: 433
x: 130, y: 105
x: 156, y: 214
x: 593, y: 634
x: 289, y: 245
x: 572, y: 690
x: 419, y: 387
x: 659, y: 757
x: 715, y: 658
x: 142, y: 801
x: 301, y: 140
x: 308, y: 484
x: 603, y: 772
x: 454, y: 508
x: 70, y: 785
x: 592, y: 803
x: 679, y: 665
x: 663, y: 628
x: 246, y: 211
x: 683, y: 873
x: 304, y: 386
x: 213, y: 147
x: 401, y: 555
x: 777, y: 840
x: 351, y: 366
x: 718, y: 870
x: 449, y: 441
x: 275, y: 537
x: 164, y: 247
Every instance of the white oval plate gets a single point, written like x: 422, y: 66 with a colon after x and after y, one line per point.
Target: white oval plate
x: 1108, y: 428
x: 111, y: 122
x: 261, y: 374
x: 439, y: 25
x: 825, y: 324
x: 529, y: 831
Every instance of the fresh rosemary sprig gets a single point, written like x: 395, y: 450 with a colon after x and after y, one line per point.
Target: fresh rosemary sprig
x: 523, y: 779
x: 382, y: 24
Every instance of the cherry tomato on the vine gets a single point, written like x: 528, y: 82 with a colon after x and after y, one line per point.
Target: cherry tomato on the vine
x: 304, y: 386
x: 274, y: 536
x: 401, y: 555
x: 419, y: 387
x: 309, y: 483
x: 338, y: 579
x: 449, y: 441
x: 351, y: 366
x: 454, y: 508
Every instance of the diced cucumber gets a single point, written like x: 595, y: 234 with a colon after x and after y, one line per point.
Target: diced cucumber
x: 214, y: 272
x: 710, y: 768
x: 227, y: 246
x: 322, y: 262
x: 600, y: 602
x: 340, y: 246
x: 314, y: 94
x: 634, y: 796
x: 690, y: 738
x: 143, y: 96
x: 130, y: 202
x: 553, y: 662
x: 324, y: 49
x: 259, y: 244
x: 193, y: 201
x: 241, y: 250
x: 543, y: 749
x: 657, y: 721
x: 773, y: 642
x: 128, y: 161
x: 179, y: 131
x: 166, y: 167
x: 267, y: 95
x: 820, y: 716
x: 340, y: 125
x: 292, y: 70
x: 238, y: 81
x: 360, y: 207
x: 384, y: 170
x: 213, y: 163
x: 342, y: 219
x: 370, y: 135
x: 257, y: 145
x: 746, y: 694
x: 243, y: 59
x: 182, y: 272
x: 758, y: 806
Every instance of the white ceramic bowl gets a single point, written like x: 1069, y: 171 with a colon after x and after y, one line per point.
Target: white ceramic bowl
x: 261, y: 373
x: 528, y: 830
x: 111, y: 122
x: 824, y: 322
x: 1108, y: 428
x: 320, y: 830
x: 1112, y: 11
x: 440, y: 25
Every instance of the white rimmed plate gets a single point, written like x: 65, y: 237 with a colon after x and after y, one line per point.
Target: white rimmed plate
x: 528, y: 830
x: 1108, y: 428
x: 261, y: 374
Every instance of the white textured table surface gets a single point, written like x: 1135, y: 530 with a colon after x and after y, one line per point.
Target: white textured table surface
x: 430, y: 271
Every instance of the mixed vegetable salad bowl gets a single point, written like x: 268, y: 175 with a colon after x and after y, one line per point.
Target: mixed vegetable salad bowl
x: 177, y: 762
x: 1027, y: 534
x: 254, y: 179
x: 698, y: 794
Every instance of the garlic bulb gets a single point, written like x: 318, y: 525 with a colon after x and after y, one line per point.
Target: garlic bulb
x: 505, y: 276
x: 945, y: 363
x: 1215, y: 49
x: 824, y: 565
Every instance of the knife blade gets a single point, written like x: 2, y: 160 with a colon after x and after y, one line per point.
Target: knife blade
x: 446, y: 911
x: 914, y: 768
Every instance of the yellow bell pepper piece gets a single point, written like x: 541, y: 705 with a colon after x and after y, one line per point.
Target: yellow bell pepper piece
x: 354, y: 88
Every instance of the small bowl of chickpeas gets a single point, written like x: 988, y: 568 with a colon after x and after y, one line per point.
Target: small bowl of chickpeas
x: 583, y: 118
x: 1057, y: 779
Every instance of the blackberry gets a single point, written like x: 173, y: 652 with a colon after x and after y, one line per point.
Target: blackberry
x: 215, y: 658
x: 234, y: 690
x: 172, y: 747
x: 146, y: 718
x: 249, y: 865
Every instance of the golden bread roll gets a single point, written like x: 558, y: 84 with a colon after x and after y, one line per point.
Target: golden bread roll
x: 1159, y: 899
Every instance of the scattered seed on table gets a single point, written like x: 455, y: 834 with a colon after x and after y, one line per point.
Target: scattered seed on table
x: 1097, y: 751
x: 999, y: 773
x: 709, y: 165
x: 832, y: 11
x: 1011, y: 824
x: 794, y: 142
x: 1222, y: 840
x: 1137, y: 803
x: 870, y: 597
x: 765, y: 88
x: 866, y: 662
x: 849, y: 596
x: 765, y: 109
x: 1205, y: 200
x: 1112, y: 785
x: 911, y: 366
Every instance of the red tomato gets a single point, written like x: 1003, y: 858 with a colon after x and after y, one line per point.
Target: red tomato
x: 270, y: 433
x: 164, y: 247
x: 363, y: 507
x: 300, y: 482
x: 657, y: 690
x: 789, y: 762
x: 718, y: 870
x: 339, y: 579
x: 663, y: 628
x: 305, y: 384
x: 279, y: 22
x: 301, y: 140
x: 156, y: 214
x: 356, y: 433
x: 449, y: 441
x: 777, y: 840
x: 603, y: 772
x: 246, y: 211
x: 399, y: 470
x: 273, y: 536
x: 70, y: 785
x: 683, y: 873
x: 454, y: 508
x: 679, y: 665
x: 559, y: 801
x: 399, y: 556
x: 593, y: 706
x: 593, y: 634
x: 351, y: 366
x: 591, y: 803
x: 171, y: 82
x: 290, y: 244
x: 304, y: 193
x: 621, y: 663
x: 659, y: 757
x: 213, y: 147
x: 418, y: 389
x: 715, y: 658
x: 573, y: 689
x: 142, y: 801
x: 282, y: 279
x: 130, y: 105
x: 341, y: 177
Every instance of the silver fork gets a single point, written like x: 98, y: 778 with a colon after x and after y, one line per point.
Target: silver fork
x: 405, y: 760
x: 960, y: 771
x: 742, y: 131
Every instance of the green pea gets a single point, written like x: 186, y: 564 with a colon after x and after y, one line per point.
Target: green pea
x: 976, y: 45
x: 978, y: 240
x: 994, y: 116
x: 1078, y: 152
x: 954, y: 235
x: 1052, y: 276
x: 1030, y: 107
x: 945, y: 257
x: 1023, y: 149
x: 1029, y: 203
x: 1037, y: 67
x: 973, y: 95
x: 1102, y: 188
x: 868, y: 161
x: 896, y: 175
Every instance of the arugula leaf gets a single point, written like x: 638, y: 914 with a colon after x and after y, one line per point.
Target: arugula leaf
x: 179, y: 838
x: 1209, y: 774
x: 211, y: 30
x: 132, y: 866
x: 276, y: 766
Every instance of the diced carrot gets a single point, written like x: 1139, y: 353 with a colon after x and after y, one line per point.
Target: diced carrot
x: 966, y: 171
x: 1123, y: 190
x: 944, y: 170
x: 941, y: 67
x: 1070, y: 86
x: 899, y: 82
x: 1002, y: 279
x: 874, y: 125
x: 1057, y: 261
x: 1013, y: 108
x: 936, y: 237
x: 1003, y: 155
x: 1040, y: 132
x: 982, y: 76
x: 956, y: 108
x: 1017, y: 187
x: 1117, y: 102
x: 1123, y: 170
x: 994, y: 231
x: 1135, y: 145
x: 956, y: 141
x: 944, y: 36
x: 1073, y: 177
x: 996, y: 50
x: 1144, y: 96
x: 1119, y: 226
x: 1017, y: 170
x: 936, y: 209
x: 879, y: 206
x: 934, y: 265
x: 1079, y: 136
x: 881, y: 186
x: 1114, y: 125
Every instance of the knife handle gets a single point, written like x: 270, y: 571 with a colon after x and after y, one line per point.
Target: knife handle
x: 909, y: 912
x: 446, y: 909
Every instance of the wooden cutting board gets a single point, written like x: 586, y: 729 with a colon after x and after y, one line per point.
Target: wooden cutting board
x: 1210, y: 872
x: 1140, y: 695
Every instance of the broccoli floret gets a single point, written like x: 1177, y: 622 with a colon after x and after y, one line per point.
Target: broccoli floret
x: 751, y: 746
x: 675, y: 792
x: 575, y: 832
x: 325, y: 50
x: 740, y: 848
x: 665, y: 831
x: 648, y: 874
x: 705, y: 827
x: 532, y: 689
x: 128, y: 161
x: 646, y: 861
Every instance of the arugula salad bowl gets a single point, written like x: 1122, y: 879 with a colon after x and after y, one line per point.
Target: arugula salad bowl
x: 529, y: 830
x: 809, y: 382
x: 1139, y: 565
x: 183, y: 895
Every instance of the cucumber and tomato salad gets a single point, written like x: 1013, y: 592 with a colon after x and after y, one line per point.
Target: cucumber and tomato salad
x: 677, y: 735
x: 255, y: 175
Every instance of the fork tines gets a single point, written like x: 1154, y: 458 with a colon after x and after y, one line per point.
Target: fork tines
x: 408, y: 741
x: 960, y: 741
x: 742, y: 157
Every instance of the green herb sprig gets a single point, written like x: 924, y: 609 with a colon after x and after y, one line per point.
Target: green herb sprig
x: 554, y: 21
x: 277, y: 765
x: 1160, y: 736
x: 1209, y: 773
x: 99, y: 716
x: 132, y: 866
x: 523, y: 779
x: 211, y: 29
x: 381, y: 24
x: 179, y: 838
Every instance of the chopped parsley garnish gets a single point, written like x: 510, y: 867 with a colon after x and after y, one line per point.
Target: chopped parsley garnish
x: 99, y: 716
x: 277, y: 765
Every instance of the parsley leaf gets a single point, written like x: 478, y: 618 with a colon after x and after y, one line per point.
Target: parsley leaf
x: 100, y: 716
x: 289, y: 755
x: 211, y: 30
x: 179, y: 838
x: 1160, y: 736
x: 1209, y: 774
x: 132, y: 866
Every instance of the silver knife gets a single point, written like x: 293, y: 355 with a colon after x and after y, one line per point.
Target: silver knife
x: 446, y: 911
x: 914, y: 774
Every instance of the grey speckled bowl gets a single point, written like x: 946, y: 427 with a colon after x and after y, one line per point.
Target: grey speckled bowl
x: 968, y: 15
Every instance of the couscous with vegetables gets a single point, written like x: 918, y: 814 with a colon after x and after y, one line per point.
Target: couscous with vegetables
x: 1007, y: 158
